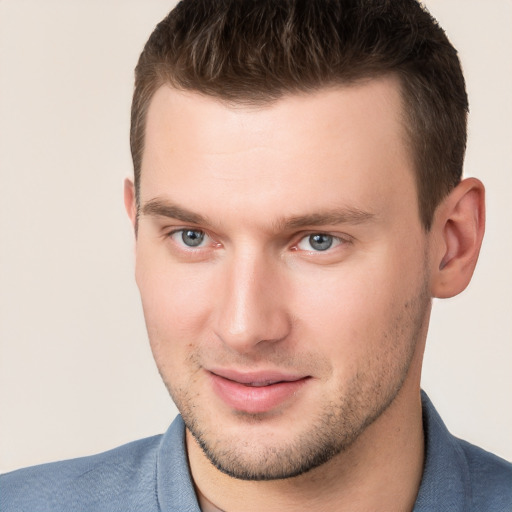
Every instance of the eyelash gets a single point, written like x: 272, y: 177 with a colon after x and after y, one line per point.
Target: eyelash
x: 336, y: 240
x: 182, y: 244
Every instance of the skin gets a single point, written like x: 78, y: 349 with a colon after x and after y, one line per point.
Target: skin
x: 255, y: 294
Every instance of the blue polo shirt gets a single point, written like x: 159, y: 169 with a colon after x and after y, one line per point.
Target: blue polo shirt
x: 152, y: 475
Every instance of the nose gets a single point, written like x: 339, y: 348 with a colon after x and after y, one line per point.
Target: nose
x: 251, y: 311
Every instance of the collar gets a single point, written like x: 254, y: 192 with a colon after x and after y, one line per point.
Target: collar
x: 445, y: 484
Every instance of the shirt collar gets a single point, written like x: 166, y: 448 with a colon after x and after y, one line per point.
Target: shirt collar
x: 444, y: 485
x: 175, y: 490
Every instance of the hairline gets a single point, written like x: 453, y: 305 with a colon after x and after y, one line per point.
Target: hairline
x: 267, y: 99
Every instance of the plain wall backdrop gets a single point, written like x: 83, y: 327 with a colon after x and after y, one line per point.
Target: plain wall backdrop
x: 76, y: 373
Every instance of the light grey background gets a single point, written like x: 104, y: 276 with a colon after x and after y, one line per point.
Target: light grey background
x: 76, y: 373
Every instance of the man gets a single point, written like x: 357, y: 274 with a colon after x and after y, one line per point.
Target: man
x: 297, y: 203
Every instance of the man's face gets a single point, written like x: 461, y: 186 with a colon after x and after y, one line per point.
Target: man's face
x: 282, y: 268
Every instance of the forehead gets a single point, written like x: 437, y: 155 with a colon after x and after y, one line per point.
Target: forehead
x: 344, y: 144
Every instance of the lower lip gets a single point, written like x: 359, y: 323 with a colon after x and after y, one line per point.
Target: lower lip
x: 255, y: 399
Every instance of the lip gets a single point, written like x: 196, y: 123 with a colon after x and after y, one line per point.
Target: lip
x: 255, y: 392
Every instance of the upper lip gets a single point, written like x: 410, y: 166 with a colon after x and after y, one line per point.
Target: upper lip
x: 256, y: 377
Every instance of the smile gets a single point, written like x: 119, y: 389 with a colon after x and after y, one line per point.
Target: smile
x: 261, y: 384
x: 255, y: 393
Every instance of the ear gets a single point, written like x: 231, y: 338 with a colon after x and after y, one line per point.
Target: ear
x: 129, y: 202
x: 458, y: 228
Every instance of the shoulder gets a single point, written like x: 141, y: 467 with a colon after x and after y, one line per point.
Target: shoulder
x: 459, y: 476
x: 144, y: 476
x: 490, y: 477
x: 124, y: 478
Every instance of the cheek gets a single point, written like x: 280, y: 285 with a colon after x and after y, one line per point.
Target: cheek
x: 176, y: 300
x: 351, y: 313
x: 342, y: 318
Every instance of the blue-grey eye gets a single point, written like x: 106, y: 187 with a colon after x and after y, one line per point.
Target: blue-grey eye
x: 320, y: 241
x: 192, y: 237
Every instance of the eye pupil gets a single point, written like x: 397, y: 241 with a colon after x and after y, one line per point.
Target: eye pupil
x: 192, y: 237
x: 320, y: 242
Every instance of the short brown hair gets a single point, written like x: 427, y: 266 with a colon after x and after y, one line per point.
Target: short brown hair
x: 255, y: 51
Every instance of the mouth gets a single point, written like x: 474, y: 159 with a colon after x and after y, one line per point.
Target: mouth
x: 261, y: 384
x: 256, y: 392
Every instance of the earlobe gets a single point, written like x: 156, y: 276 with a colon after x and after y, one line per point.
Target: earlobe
x: 129, y: 201
x: 459, y: 226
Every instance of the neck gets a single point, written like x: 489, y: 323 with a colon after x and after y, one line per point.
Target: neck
x: 381, y: 471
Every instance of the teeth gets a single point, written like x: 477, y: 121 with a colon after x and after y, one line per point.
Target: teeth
x: 259, y: 384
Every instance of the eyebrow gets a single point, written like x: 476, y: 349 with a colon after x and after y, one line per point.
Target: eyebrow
x: 336, y: 216
x: 160, y: 208
x: 345, y: 215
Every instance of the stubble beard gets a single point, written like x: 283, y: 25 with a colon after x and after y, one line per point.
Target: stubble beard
x: 336, y: 427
